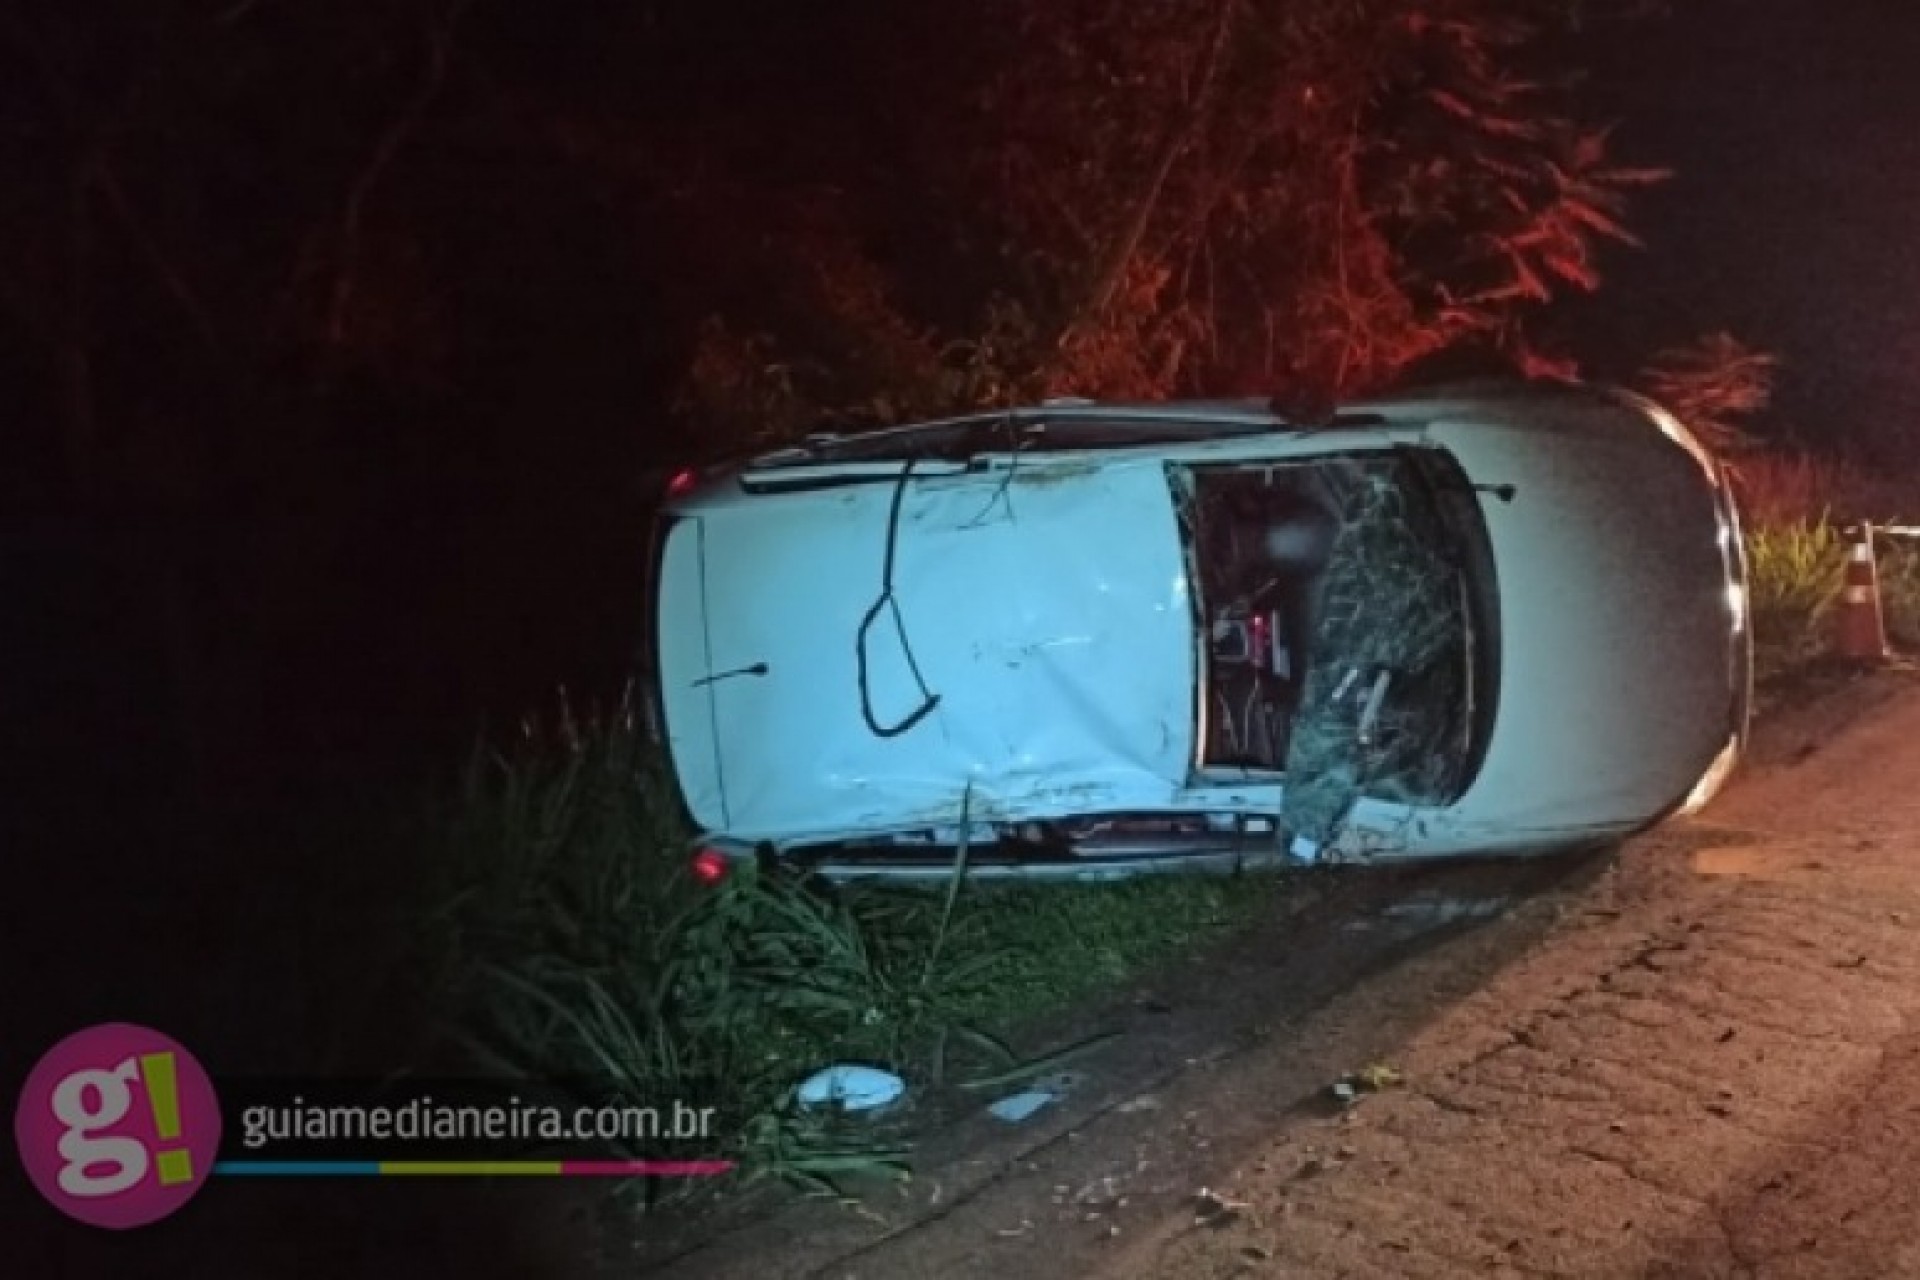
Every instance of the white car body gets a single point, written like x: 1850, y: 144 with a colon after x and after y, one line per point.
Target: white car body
x: 1043, y: 654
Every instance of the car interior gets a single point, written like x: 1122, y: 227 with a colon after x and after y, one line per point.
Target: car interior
x: 1262, y: 537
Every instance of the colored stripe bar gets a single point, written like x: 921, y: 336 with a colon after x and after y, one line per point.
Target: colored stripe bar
x: 473, y: 1168
x: 297, y: 1168
x: 469, y: 1168
x: 645, y: 1168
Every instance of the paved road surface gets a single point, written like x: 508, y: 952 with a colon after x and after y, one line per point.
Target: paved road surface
x: 1712, y: 1069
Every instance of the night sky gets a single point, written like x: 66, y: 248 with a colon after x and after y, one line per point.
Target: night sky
x: 1790, y: 220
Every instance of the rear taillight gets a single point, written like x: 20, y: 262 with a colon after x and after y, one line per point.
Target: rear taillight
x: 682, y: 483
x: 710, y: 866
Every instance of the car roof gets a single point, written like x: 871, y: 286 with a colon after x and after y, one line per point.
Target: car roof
x: 1053, y: 426
x: 1071, y: 425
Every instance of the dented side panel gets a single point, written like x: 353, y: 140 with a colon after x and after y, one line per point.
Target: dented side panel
x: 1047, y: 611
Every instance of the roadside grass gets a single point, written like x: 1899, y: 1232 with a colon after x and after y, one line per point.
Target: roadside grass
x: 1059, y: 944
x: 1796, y: 571
x: 1797, y: 510
x: 1900, y: 593
x: 1798, y: 568
x: 566, y: 940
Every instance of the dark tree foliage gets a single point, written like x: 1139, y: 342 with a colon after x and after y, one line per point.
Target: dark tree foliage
x: 1715, y: 384
x: 338, y: 338
x: 1166, y: 197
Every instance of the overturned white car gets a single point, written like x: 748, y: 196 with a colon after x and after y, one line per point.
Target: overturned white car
x: 1087, y: 639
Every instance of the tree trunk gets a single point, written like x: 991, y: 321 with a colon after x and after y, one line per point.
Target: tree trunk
x: 1127, y: 247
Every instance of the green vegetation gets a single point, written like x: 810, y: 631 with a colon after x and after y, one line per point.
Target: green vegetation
x: 1798, y: 541
x: 571, y: 941
x: 1796, y: 566
x: 1900, y: 593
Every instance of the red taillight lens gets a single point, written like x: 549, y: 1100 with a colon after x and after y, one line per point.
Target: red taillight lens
x: 682, y: 482
x: 709, y: 866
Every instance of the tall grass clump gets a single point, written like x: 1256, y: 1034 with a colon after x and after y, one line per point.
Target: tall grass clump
x: 571, y: 945
x: 1799, y: 509
x: 1797, y: 570
x: 570, y: 942
x: 1900, y: 591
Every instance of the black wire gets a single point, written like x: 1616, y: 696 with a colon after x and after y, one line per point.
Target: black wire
x: 886, y: 601
x: 1006, y: 481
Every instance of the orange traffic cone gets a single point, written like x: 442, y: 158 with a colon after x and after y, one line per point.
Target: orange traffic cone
x: 1860, y: 633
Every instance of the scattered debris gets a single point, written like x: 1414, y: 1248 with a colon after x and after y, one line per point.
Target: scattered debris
x: 1145, y: 1102
x: 1211, y: 1209
x: 1019, y: 1106
x: 1373, y: 1078
x: 1379, y: 1075
x: 851, y: 1087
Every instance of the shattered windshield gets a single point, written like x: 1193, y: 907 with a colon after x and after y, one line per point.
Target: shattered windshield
x: 1387, y: 709
x: 1338, y: 630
